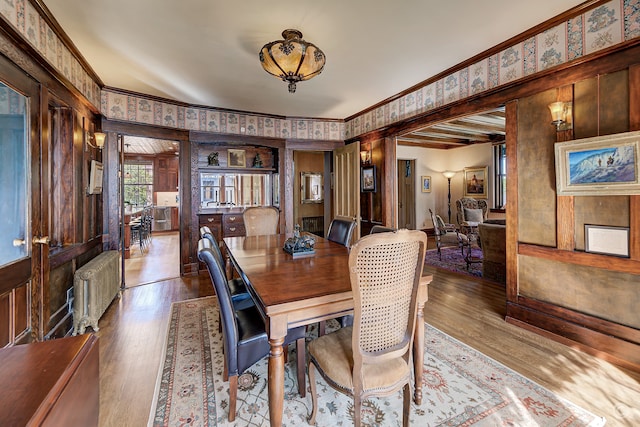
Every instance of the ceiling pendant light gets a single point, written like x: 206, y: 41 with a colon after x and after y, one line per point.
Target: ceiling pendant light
x: 292, y: 59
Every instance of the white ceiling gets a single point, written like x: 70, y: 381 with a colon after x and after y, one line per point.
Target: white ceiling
x: 205, y: 52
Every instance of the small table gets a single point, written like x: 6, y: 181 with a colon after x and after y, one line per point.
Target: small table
x: 292, y: 292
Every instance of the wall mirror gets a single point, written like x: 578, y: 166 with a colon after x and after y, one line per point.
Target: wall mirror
x: 311, y: 191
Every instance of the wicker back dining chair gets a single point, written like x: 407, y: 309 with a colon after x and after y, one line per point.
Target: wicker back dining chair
x: 373, y: 357
x: 261, y: 220
x: 243, y: 330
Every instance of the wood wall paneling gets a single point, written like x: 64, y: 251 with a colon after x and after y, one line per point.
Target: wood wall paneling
x: 511, y: 245
x: 6, y: 321
x: 613, y: 105
x: 536, y: 193
x: 599, y: 210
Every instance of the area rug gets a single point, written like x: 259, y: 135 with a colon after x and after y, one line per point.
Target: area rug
x: 460, y: 387
x: 453, y: 260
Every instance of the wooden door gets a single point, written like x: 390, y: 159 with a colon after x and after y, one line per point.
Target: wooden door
x: 20, y: 253
x: 406, y: 194
x: 346, y: 168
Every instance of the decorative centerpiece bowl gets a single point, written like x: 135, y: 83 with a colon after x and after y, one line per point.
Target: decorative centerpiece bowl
x: 300, y: 245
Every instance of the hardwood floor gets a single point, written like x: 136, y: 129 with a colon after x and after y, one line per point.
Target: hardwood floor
x: 159, y: 261
x: 132, y: 334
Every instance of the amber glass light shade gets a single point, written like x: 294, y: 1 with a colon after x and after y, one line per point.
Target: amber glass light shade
x: 292, y: 59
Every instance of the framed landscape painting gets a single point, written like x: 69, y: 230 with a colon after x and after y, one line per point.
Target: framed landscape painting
x: 475, y: 182
x: 602, y: 165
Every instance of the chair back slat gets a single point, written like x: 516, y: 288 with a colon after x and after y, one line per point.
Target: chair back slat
x: 385, y: 273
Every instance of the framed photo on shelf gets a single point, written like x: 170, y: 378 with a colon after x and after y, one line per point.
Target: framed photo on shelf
x: 602, y: 165
x: 476, y: 181
x: 426, y: 184
x: 368, y: 178
x: 236, y: 159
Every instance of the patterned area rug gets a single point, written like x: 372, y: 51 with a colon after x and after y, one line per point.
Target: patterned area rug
x: 453, y: 260
x: 460, y: 387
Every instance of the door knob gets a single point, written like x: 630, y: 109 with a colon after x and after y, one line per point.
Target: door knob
x: 18, y: 242
x: 44, y: 240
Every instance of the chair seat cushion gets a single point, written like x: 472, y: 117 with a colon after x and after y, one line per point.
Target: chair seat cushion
x: 333, y: 356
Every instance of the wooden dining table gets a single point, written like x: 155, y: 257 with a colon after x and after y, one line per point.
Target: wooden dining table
x: 290, y: 292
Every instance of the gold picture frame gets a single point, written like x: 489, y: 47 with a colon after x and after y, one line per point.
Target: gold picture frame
x: 236, y: 158
x: 426, y: 184
x: 476, y: 182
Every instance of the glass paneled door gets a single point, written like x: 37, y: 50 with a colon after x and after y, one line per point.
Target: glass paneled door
x: 19, y: 187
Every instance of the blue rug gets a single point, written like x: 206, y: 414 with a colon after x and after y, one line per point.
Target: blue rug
x: 453, y: 260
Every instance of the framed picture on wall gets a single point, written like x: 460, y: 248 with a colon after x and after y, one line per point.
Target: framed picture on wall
x: 476, y: 181
x: 602, y: 165
x: 236, y: 159
x: 426, y: 184
x: 368, y: 178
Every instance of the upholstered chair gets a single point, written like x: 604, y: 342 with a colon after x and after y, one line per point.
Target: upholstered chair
x: 470, y: 212
x: 446, y: 235
x: 261, y: 220
x: 373, y: 357
x: 341, y: 231
x: 244, y: 338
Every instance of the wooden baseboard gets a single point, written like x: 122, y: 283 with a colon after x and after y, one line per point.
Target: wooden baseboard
x: 608, y: 347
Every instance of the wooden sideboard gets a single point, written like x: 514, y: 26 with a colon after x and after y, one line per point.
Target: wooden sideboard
x: 51, y: 383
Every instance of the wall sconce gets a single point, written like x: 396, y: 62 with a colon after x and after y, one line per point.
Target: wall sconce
x: 365, y: 157
x: 98, y: 137
x: 561, y: 115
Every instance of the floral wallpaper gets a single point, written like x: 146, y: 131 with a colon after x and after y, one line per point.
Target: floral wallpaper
x: 606, y: 25
x: 25, y: 18
x: 611, y: 23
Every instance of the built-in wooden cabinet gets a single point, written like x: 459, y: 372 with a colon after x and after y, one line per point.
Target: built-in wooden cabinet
x: 214, y: 222
x: 166, y: 173
x: 232, y: 225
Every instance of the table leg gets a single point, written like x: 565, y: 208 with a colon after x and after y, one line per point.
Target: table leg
x: 276, y: 381
x: 418, y: 354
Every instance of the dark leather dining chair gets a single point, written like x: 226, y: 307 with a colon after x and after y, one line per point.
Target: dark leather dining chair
x: 341, y: 231
x: 244, y: 334
x: 380, y: 229
x: 238, y: 290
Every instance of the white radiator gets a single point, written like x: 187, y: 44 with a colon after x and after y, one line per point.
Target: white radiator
x: 95, y: 284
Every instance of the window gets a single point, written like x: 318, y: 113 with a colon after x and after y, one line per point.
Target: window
x: 138, y: 183
x: 500, y: 168
x: 223, y: 189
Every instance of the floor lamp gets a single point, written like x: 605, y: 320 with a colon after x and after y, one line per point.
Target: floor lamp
x: 449, y: 175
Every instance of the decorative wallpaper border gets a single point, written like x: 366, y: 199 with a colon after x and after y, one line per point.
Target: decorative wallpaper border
x: 133, y: 108
x: 609, y: 24
x: 24, y: 17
